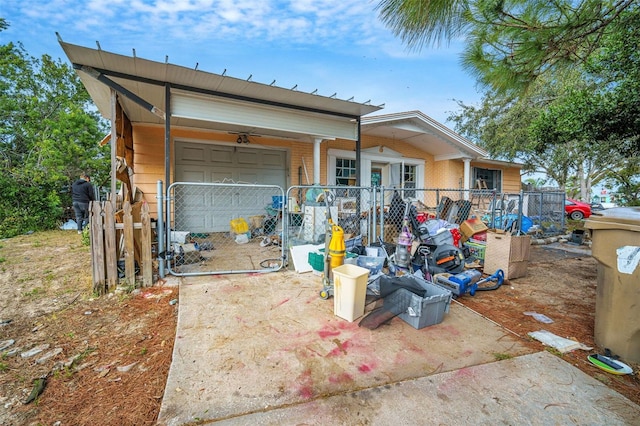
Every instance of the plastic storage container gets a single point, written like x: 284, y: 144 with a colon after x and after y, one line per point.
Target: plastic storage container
x: 373, y: 263
x: 424, y: 311
x: 349, y: 291
x: 616, y: 246
x: 476, y: 250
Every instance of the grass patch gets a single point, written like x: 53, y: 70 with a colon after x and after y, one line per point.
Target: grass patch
x: 554, y: 351
x: 500, y: 356
x: 34, y: 292
x: 3, y: 367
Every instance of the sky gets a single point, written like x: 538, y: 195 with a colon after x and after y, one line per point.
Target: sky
x: 332, y: 46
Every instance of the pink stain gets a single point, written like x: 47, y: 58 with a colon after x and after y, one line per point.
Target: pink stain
x: 450, y: 330
x: 341, y: 378
x: 468, y: 352
x: 306, y: 384
x: 328, y: 333
x: 281, y: 303
x: 464, y: 372
x: 366, y: 368
x: 306, y: 392
x: 343, y: 325
x: 340, y: 349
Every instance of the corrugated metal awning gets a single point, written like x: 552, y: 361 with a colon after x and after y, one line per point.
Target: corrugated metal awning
x: 146, y: 79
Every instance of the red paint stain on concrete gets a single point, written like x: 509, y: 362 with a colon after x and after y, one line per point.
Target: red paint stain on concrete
x: 447, y: 329
x: 366, y: 368
x: 305, y: 387
x: 328, y: 333
x: 344, y: 325
x: 306, y: 392
x: 464, y: 372
x: 281, y: 303
x: 340, y: 349
x: 468, y: 352
x: 341, y: 378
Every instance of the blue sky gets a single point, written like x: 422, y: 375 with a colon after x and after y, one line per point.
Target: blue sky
x: 334, y: 46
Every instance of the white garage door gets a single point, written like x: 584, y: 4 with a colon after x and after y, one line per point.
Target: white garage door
x: 201, y: 209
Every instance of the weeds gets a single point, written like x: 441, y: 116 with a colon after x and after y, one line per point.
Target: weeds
x: 3, y: 367
x: 554, y: 351
x: 34, y: 292
x: 501, y: 357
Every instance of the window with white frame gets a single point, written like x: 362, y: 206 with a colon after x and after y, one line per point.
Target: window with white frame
x: 409, y: 179
x: 345, y: 171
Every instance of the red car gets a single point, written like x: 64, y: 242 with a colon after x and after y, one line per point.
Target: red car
x: 576, y: 210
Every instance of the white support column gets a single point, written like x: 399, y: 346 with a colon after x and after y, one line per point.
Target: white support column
x: 316, y: 160
x: 467, y: 177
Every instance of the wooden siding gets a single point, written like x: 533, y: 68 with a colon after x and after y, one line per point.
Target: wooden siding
x: 148, y: 143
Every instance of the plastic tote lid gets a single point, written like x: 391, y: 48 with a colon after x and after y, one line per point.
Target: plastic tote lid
x: 627, y: 218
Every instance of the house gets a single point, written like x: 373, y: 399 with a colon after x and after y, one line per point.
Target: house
x: 176, y: 124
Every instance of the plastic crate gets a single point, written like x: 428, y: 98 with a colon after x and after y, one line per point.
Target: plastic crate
x: 476, y: 250
x: 316, y: 259
x: 353, y: 242
x: 373, y: 263
x: 420, y: 312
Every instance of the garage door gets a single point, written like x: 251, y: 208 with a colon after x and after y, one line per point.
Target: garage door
x: 202, y: 209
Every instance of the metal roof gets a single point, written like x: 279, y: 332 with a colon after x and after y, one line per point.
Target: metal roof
x: 424, y: 133
x: 147, y: 79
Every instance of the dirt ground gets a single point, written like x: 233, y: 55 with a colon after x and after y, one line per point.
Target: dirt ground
x: 105, y: 359
x: 108, y: 357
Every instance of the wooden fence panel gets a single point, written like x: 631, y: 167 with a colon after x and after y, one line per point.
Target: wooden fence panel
x: 110, y: 246
x: 129, y: 254
x: 136, y: 237
x: 97, y: 248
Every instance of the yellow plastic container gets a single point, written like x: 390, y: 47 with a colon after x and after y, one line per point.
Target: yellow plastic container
x: 337, y: 247
x: 239, y: 226
x: 349, y: 291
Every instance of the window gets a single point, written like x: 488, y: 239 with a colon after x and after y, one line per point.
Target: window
x: 409, y: 180
x: 493, y: 178
x: 345, y: 172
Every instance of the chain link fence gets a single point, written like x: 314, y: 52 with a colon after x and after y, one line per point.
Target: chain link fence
x: 218, y: 228
x: 310, y: 207
x: 539, y: 213
x: 546, y: 211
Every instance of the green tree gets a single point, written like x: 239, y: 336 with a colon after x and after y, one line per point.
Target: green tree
x: 508, y: 44
x: 49, y: 133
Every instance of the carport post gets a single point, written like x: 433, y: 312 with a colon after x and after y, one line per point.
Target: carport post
x: 316, y: 160
x: 160, y: 229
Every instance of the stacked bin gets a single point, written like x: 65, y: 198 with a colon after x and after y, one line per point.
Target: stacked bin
x: 616, y: 246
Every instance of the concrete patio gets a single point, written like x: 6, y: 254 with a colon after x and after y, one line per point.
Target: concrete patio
x: 266, y: 349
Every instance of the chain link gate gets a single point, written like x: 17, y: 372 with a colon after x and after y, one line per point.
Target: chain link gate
x: 220, y: 228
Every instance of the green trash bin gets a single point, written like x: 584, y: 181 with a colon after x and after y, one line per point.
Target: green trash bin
x: 615, y: 235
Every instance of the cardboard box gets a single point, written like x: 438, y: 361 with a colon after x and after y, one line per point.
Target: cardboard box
x: 470, y: 227
x: 507, y: 252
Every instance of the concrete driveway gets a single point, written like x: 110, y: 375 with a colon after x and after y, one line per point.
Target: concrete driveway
x: 265, y: 349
